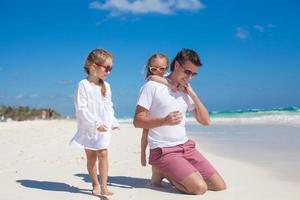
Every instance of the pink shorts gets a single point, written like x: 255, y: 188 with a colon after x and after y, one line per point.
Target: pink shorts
x: 179, y: 161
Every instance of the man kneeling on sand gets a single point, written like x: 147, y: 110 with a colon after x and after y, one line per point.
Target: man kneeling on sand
x: 162, y: 110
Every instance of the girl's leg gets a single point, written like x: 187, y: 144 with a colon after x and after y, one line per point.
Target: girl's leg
x: 92, y: 169
x: 144, y: 143
x: 103, y: 169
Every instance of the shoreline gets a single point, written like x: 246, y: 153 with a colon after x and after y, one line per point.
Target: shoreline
x: 39, y: 162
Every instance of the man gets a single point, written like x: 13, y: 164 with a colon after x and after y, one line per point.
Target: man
x: 162, y: 111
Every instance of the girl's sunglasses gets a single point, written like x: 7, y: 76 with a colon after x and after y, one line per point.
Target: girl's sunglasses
x: 155, y: 69
x: 107, y: 68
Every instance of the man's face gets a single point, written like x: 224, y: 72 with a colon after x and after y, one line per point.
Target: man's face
x: 185, y: 71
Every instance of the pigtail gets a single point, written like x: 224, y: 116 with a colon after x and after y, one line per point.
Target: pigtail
x: 103, y: 87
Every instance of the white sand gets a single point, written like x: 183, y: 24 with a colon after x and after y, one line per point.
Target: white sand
x: 37, y: 162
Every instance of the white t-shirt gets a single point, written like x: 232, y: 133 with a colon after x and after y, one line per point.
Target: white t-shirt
x: 159, y: 100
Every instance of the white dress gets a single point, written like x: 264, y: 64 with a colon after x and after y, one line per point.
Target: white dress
x: 92, y: 111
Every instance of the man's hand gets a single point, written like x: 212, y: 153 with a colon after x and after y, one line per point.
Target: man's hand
x: 190, y: 91
x: 173, y: 118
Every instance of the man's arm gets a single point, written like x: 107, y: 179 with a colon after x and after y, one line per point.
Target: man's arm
x: 143, y: 120
x: 200, y: 112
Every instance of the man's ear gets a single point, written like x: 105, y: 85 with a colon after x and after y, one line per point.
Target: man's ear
x: 176, y: 64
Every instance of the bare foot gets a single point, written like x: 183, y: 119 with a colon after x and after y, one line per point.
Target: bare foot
x: 96, y: 190
x: 105, y: 192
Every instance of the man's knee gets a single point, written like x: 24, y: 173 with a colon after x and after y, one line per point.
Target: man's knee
x: 219, y: 187
x: 198, y: 188
x: 216, y: 183
x: 195, y: 184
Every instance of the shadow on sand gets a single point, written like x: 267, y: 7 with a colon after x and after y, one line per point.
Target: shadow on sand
x: 55, y: 186
x: 131, y: 182
x: 114, y: 181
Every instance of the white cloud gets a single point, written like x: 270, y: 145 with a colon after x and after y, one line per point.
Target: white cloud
x: 118, y: 7
x: 259, y: 28
x: 241, y: 33
x: 188, y: 5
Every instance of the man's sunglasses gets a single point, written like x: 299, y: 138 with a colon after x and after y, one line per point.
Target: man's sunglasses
x: 186, y: 71
x: 107, y: 68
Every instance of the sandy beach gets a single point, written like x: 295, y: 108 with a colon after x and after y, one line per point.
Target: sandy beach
x: 37, y: 162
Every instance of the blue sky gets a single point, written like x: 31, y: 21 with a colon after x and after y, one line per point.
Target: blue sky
x: 250, y: 49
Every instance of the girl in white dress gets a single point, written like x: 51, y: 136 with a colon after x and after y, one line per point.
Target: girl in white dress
x: 95, y: 117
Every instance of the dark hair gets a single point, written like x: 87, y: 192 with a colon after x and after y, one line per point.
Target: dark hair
x: 186, y: 55
x: 152, y: 57
x: 97, y: 56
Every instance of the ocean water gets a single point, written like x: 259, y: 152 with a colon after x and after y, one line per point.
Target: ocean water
x: 284, y: 116
x: 266, y: 138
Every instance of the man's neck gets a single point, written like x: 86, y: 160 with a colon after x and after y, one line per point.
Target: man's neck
x: 172, y: 77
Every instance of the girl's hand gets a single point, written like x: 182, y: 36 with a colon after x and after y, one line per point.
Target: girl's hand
x: 102, y: 128
x: 116, y: 128
x: 143, y: 159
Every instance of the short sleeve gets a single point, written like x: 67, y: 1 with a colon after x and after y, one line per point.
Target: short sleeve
x: 190, y: 103
x: 146, y: 95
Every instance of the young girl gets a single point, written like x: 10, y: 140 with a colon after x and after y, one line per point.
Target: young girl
x: 156, y: 68
x: 95, y: 117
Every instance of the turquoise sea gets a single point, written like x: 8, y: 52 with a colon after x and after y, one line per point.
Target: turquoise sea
x: 288, y: 115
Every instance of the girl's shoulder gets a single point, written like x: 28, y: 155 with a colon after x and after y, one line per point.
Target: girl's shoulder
x: 83, y: 82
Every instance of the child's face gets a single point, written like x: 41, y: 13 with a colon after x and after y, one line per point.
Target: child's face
x: 158, y: 66
x: 102, y: 71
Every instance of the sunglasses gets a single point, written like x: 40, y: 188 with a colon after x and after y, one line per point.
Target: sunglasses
x: 107, y: 68
x: 186, y: 71
x: 155, y: 69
